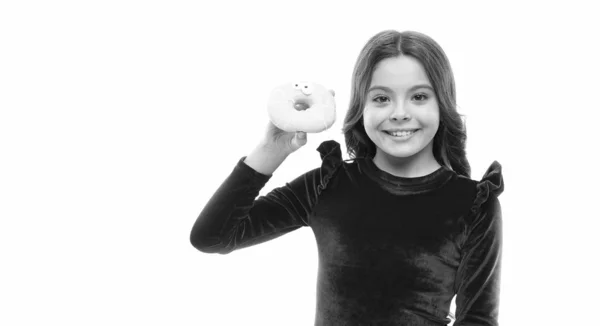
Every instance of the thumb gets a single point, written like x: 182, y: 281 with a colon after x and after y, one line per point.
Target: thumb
x: 300, y: 139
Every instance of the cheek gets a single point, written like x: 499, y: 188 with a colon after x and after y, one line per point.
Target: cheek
x: 433, y: 120
x: 431, y: 116
x: 368, y: 118
x: 373, y: 117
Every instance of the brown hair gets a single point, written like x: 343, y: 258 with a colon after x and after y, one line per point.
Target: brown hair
x: 450, y: 139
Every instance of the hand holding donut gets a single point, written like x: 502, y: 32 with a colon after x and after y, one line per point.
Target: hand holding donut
x: 290, y: 118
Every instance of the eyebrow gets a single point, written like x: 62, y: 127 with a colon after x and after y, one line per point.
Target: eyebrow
x: 390, y: 90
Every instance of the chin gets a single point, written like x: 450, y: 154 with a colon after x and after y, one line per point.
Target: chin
x: 400, y: 153
x: 401, y: 150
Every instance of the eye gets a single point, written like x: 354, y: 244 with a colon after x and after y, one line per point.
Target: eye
x: 307, y: 88
x: 421, y: 97
x: 380, y: 97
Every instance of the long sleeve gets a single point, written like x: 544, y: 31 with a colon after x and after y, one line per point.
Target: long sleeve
x: 234, y: 218
x: 478, y: 276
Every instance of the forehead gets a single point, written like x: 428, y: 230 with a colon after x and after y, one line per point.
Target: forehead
x: 399, y: 72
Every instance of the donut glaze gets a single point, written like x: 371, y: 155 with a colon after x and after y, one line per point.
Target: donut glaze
x: 319, y: 116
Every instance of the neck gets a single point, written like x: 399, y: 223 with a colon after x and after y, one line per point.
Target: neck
x: 407, y: 167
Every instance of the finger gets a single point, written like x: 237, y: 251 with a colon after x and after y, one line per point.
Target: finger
x: 297, y: 139
x: 300, y: 139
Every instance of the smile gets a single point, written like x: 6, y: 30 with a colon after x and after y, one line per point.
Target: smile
x: 401, y: 134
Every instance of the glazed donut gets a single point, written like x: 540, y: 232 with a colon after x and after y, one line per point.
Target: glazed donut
x: 302, y: 106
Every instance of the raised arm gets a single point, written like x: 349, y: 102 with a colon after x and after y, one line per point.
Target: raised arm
x: 233, y: 218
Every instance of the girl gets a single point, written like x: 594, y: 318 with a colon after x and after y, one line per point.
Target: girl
x: 400, y: 227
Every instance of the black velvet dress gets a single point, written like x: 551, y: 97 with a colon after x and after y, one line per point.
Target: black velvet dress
x: 392, y: 250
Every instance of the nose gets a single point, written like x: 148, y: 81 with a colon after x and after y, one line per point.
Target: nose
x: 399, y: 112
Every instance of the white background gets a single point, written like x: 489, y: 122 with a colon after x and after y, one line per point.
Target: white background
x: 119, y: 120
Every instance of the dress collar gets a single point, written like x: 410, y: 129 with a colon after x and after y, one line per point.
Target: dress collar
x: 404, y: 185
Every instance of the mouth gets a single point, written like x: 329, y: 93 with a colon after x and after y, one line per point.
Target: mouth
x: 301, y: 103
x: 403, y: 133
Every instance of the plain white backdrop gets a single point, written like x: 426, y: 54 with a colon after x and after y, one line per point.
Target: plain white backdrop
x: 119, y: 120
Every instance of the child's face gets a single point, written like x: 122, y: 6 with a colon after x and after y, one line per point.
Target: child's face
x: 406, y: 91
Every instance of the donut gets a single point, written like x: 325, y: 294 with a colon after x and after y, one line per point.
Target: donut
x: 301, y: 106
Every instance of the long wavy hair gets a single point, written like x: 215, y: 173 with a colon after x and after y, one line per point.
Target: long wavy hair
x: 450, y: 139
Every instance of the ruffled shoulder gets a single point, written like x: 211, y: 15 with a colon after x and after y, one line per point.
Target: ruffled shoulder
x: 491, y: 184
x: 331, y: 156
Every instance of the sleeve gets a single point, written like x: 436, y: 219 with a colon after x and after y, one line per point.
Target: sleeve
x: 478, y: 276
x: 234, y: 219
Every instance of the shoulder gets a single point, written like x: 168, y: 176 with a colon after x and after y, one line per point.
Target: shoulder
x: 490, y: 187
x: 330, y: 151
x: 331, y: 157
x: 484, y: 202
x: 331, y: 161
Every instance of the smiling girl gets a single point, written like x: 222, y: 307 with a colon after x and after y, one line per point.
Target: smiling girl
x: 401, y: 228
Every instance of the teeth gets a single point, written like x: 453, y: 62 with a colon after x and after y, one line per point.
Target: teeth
x: 404, y: 133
